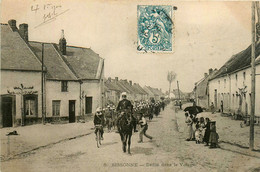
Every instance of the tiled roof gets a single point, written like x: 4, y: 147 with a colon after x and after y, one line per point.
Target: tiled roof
x: 57, y: 69
x: 78, y: 63
x: 238, y: 61
x: 148, y: 91
x: 122, y: 87
x: 153, y: 91
x: 136, y: 89
x: 84, y: 61
x: 15, y: 53
x: 125, y: 84
x: 201, y: 89
x: 139, y: 88
x: 111, y: 86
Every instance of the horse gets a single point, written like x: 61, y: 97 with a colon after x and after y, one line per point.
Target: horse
x: 125, y: 128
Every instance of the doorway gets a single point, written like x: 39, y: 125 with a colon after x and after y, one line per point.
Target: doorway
x: 88, y: 105
x: 216, y: 98
x: 72, y: 116
x: 7, y: 111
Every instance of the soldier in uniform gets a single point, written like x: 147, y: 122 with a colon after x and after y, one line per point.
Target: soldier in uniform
x: 108, y: 115
x: 126, y: 106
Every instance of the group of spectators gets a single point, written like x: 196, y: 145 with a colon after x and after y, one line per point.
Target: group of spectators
x: 201, y: 130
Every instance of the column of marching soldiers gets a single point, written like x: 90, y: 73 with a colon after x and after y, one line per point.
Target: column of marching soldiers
x: 148, y: 109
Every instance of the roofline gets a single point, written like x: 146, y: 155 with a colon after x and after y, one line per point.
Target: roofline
x: 86, y: 79
x: 122, y: 86
x: 24, y: 70
x: 66, y: 45
x: 100, y: 69
x: 30, y: 48
x: 225, y: 74
x: 51, y: 79
x: 65, y: 61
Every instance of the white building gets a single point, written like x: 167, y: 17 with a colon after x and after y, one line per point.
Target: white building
x: 231, y: 85
x: 72, y: 79
x: 20, y: 78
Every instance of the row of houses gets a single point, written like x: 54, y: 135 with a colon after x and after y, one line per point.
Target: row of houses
x: 114, y: 87
x: 230, y: 86
x: 49, y: 80
x: 43, y: 81
x: 177, y: 94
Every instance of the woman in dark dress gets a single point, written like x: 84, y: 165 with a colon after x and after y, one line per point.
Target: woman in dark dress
x: 213, y: 137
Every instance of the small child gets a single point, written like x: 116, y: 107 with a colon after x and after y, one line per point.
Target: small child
x: 198, y: 134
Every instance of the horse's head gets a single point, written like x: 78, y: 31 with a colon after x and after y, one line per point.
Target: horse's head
x: 125, y: 121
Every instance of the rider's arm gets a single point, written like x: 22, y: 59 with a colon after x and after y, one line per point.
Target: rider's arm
x: 103, y: 120
x: 118, y: 106
x: 95, y: 120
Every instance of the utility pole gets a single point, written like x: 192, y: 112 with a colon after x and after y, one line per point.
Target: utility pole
x: 170, y: 77
x: 251, y: 138
x: 42, y: 87
x: 178, y: 90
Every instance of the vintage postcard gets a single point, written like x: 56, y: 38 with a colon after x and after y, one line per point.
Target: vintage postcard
x: 131, y: 85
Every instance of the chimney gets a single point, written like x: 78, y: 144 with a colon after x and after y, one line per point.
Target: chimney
x: 62, y: 43
x: 210, y: 71
x: 23, y: 30
x: 205, y: 75
x: 109, y: 79
x: 130, y: 82
x: 12, y: 24
x: 116, y: 78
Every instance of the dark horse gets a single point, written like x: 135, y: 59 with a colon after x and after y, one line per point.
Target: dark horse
x: 125, y: 127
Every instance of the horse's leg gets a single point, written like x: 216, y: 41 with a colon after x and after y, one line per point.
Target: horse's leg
x: 124, y: 143
x: 121, y: 136
x: 122, y: 140
x: 129, y: 143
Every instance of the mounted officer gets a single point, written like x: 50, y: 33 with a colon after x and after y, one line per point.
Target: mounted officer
x: 125, y: 106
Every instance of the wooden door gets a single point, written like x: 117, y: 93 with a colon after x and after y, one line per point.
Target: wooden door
x: 6, y: 106
x: 88, y: 105
x: 72, y: 109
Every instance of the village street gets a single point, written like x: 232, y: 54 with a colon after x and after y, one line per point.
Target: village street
x: 168, y: 151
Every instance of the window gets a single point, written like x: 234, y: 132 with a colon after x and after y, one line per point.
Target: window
x: 55, y: 107
x: 225, y: 83
x: 64, y: 86
x: 30, y: 105
x: 244, y: 75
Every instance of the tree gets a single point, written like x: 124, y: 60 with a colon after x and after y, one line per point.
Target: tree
x: 171, y: 77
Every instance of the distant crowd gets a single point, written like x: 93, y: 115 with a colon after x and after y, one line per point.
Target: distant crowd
x: 146, y: 108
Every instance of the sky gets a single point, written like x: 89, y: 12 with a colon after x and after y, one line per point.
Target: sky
x: 207, y: 34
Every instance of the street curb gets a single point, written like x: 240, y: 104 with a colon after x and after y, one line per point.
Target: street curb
x: 44, y: 146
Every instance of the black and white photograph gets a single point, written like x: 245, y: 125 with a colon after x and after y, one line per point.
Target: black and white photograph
x: 130, y: 85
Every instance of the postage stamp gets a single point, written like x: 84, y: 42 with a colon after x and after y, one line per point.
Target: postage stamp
x: 155, y: 28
